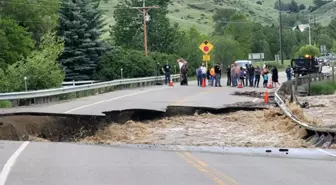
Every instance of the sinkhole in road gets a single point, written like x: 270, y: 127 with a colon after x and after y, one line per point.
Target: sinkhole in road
x: 244, y: 124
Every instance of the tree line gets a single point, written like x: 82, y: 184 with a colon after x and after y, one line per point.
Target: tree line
x: 52, y: 41
x: 294, y: 7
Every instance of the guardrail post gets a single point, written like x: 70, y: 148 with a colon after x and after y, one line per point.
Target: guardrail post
x: 333, y: 73
x: 309, y: 83
x: 296, y: 81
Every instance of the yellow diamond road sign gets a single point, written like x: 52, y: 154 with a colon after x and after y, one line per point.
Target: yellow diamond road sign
x: 206, y: 47
x: 206, y: 58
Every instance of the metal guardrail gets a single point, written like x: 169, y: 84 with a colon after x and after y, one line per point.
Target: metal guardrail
x: 281, y: 103
x: 74, y: 83
x: 73, y: 89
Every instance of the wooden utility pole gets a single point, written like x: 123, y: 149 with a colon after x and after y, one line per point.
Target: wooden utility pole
x: 144, y: 10
x: 280, y: 32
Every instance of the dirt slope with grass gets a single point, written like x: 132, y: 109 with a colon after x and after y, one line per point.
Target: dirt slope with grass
x: 268, y: 128
x: 325, y: 13
x: 199, y: 13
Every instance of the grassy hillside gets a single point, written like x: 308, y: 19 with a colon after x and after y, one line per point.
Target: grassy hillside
x: 199, y: 12
x: 325, y: 13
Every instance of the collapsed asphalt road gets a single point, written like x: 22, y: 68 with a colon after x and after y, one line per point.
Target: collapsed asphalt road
x: 242, y: 124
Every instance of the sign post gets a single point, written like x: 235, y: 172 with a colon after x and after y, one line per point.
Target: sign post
x: 206, y: 47
x: 323, y: 49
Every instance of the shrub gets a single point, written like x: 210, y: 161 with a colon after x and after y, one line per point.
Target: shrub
x: 308, y: 50
x: 5, y: 104
x: 134, y: 64
x: 41, y: 68
x: 322, y: 88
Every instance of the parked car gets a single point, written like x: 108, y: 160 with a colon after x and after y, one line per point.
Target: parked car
x: 324, y: 60
x: 242, y: 63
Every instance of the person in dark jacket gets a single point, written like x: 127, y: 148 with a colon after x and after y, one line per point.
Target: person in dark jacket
x: 246, y: 75
x: 289, y: 72
x: 228, y: 74
x: 184, y: 73
x: 199, y: 76
x: 218, y: 75
x: 241, y: 75
x: 250, y: 74
x: 257, y: 74
x: 275, y: 76
x: 166, y: 70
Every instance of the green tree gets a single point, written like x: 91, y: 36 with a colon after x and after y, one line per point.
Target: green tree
x: 324, y: 39
x: 39, y: 17
x: 222, y: 18
x: 272, y: 38
x: 294, y: 7
x: 191, y: 39
x: 331, y: 29
x: 81, y: 25
x: 289, y: 20
x: 41, y: 68
x: 227, y: 50
x: 267, y: 51
x: 333, y: 49
x: 302, y: 7
x: 15, y: 42
x: 241, y: 29
x: 133, y: 63
x: 308, y: 50
x: 128, y: 30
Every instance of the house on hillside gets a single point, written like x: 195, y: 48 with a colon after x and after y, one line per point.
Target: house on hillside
x: 301, y: 27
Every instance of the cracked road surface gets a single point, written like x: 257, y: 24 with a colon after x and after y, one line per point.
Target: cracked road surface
x: 156, y: 98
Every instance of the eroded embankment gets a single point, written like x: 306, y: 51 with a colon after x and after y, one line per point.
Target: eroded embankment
x: 48, y: 127
x: 244, y: 124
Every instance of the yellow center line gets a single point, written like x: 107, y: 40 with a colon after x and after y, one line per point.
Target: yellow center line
x: 212, y: 169
x: 201, y: 169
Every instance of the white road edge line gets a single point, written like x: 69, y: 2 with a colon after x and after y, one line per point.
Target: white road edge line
x: 321, y: 150
x: 10, y: 163
x: 119, y: 97
x: 256, y: 99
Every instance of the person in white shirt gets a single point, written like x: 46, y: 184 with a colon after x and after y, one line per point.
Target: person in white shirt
x: 180, y: 62
x: 183, y: 64
x: 203, y: 70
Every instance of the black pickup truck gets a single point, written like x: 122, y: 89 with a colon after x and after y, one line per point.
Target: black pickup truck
x: 305, y: 65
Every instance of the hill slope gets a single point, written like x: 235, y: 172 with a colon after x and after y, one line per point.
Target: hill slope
x: 325, y: 13
x: 199, y: 12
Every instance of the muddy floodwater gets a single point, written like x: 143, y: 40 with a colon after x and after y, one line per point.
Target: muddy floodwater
x: 265, y: 128
x: 322, y: 108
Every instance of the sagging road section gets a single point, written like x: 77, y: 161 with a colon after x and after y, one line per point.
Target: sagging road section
x: 156, y: 98
x: 33, y: 163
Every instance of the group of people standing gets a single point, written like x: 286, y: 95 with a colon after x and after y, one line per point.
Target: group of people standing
x: 251, y: 76
x: 183, y: 66
x: 213, y: 75
x: 248, y: 75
